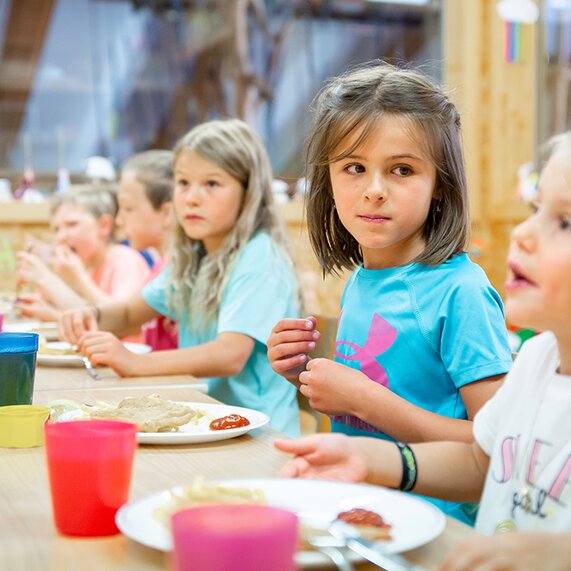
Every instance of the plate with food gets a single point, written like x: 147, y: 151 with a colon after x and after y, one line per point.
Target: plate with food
x: 63, y: 354
x: 403, y: 521
x: 165, y: 422
x: 47, y: 329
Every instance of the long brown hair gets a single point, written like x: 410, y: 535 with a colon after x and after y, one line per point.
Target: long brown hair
x: 354, y: 102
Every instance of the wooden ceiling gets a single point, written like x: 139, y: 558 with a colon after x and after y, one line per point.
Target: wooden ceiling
x: 26, y: 28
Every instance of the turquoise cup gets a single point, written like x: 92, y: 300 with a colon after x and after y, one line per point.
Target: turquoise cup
x: 18, y: 353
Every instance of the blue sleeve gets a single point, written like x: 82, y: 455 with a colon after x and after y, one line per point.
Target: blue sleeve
x: 155, y: 295
x: 474, y: 338
x: 261, y: 291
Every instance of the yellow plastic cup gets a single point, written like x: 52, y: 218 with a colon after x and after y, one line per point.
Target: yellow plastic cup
x: 22, y: 426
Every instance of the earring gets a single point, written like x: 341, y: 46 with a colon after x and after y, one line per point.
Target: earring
x: 438, y: 207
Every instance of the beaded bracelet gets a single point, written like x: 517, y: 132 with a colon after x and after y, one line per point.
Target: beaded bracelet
x: 409, y: 470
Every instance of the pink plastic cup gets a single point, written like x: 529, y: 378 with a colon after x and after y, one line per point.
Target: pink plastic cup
x: 89, y: 466
x: 239, y: 537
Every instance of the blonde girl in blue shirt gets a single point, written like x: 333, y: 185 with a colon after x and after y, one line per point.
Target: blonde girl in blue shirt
x: 229, y: 277
x: 422, y: 342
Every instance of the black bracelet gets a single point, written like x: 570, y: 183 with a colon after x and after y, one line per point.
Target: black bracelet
x: 409, y: 470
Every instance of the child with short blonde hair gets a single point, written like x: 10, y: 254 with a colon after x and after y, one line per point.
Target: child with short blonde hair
x: 87, y: 266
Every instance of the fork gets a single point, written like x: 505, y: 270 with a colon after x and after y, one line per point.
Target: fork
x: 351, y: 538
x: 329, y: 546
x: 90, y: 369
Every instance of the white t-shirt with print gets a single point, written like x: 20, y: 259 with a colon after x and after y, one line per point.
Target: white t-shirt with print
x: 526, y: 430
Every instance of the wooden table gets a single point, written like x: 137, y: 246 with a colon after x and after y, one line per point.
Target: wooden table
x: 77, y: 379
x: 29, y: 541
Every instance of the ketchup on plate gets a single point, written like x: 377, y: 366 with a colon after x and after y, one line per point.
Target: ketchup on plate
x: 230, y: 421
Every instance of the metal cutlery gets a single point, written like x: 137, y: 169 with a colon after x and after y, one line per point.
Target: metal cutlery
x: 369, y: 549
x: 330, y: 547
x: 90, y: 369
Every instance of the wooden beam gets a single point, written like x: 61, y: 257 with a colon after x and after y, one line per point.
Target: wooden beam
x: 26, y: 30
x: 497, y: 102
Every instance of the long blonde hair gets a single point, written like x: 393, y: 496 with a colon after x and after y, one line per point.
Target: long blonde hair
x: 198, y: 279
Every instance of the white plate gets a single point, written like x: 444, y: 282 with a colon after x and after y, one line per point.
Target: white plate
x: 75, y: 360
x: 317, y: 503
x: 196, y: 433
x: 48, y: 329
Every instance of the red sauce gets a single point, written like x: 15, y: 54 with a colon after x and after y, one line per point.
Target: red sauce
x: 360, y: 516
x: 230, y: 421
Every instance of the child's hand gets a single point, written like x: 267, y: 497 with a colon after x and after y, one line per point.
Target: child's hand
x: 74, y: 323
x: 103, y: 348
x: 35, y: 306
x: 325, y: 457
x: 515, y: 551
x: 289, y: 344
x: 68, y: 264
x: 31, y: 269
x: 333, y: 388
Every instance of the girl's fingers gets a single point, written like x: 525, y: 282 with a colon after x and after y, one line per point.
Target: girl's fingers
x: 99, y: 359
x: 307, y: 324
x: 285, y: 350
x: 283, y: 365
x: 297, y: 446
x: 305, y: 391
x: 293, y: 469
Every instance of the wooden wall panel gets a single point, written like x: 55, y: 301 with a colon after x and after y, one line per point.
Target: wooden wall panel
x: 497, y: 102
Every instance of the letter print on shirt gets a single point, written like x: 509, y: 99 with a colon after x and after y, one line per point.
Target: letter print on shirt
x: 381, y: 336
x: 530, y: 498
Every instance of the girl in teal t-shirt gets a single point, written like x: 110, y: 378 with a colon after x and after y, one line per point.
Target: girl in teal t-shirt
x: 422, y: 341
x: 229, y: 278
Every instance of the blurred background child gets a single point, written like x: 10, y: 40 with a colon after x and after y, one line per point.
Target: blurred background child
x: 86, y: 267
x: 146, y: 218
x: 422, y: 341
x: 229, y: 279
x: 520, y: 461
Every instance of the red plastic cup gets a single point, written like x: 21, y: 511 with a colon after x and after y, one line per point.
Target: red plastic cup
x: 89, y: 466
x: 239, y: 537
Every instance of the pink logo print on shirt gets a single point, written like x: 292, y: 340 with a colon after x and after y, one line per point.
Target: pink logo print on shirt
x: 381, y: 336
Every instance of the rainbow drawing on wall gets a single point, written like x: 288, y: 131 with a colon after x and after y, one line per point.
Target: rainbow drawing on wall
x: 512, y: 42
x: 514, y: 14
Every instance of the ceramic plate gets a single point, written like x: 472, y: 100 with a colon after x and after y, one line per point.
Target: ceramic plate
x: 317, y: 503
x: 75, y: 360
x: 195, y: 433
x: 47, y: 329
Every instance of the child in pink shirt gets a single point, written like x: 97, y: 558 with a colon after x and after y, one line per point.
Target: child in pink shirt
x: 86, y: 267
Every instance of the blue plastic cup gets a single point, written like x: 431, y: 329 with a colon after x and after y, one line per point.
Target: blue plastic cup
x: 17, y: 367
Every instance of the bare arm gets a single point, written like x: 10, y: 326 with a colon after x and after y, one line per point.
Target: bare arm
x: 336, y: 389
x: 452, y: 471
x: 87, y: 288
x: 226, y: 355
x: 32, y: 270
x: 121, y: 318
x: 409, y: 423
